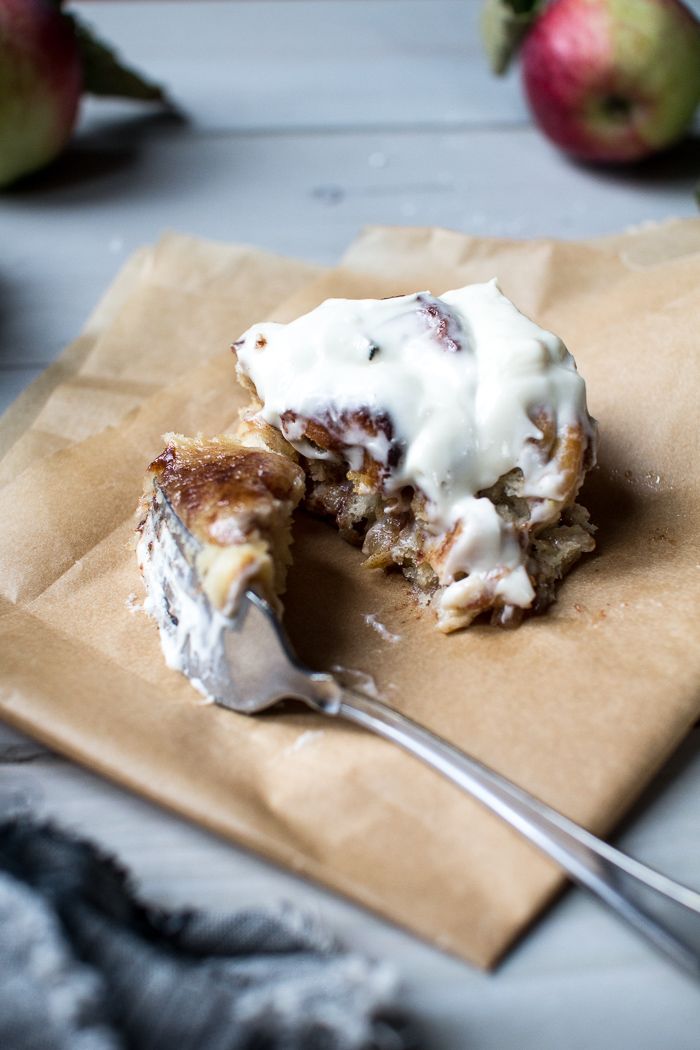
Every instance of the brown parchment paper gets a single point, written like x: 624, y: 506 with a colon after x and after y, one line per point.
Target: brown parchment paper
x: 580, y: 706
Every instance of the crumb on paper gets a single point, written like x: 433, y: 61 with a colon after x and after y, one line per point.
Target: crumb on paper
x: 353, y: 678
x: 356, y: 679
x: 662, y: 536
x: 383, y: 631
x: 305, y: 738
x: 132, y: 603
x: 204, y: 701
x: 650, y: 479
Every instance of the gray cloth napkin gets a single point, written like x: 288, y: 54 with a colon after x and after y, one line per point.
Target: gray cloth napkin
x: 84, y: 965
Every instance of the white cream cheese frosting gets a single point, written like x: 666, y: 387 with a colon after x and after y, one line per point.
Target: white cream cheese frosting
x: 458, y: 380
x: 190, y: 628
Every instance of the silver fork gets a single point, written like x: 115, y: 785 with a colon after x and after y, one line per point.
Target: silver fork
x: 262, y: 670
x: 246, y: 664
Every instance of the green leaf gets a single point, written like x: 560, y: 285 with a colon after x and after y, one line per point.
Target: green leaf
x: 105, y: 74
x: 504, y: 24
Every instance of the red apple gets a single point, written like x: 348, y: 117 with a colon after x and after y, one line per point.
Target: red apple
x: 613, y: 80
x: 40, y: 85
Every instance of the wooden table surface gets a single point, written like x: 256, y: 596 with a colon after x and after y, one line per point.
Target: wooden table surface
x: 307, y: 120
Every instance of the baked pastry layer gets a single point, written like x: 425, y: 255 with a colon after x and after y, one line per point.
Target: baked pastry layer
x: 237, y: 502
x: 215, y: 522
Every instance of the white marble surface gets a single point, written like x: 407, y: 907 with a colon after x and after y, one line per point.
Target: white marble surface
x: 306, y: 121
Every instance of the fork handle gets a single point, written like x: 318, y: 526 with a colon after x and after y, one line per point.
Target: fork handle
x: 663, y: 911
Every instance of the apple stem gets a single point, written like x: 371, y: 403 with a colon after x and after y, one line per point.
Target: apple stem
x: 105, y: 74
